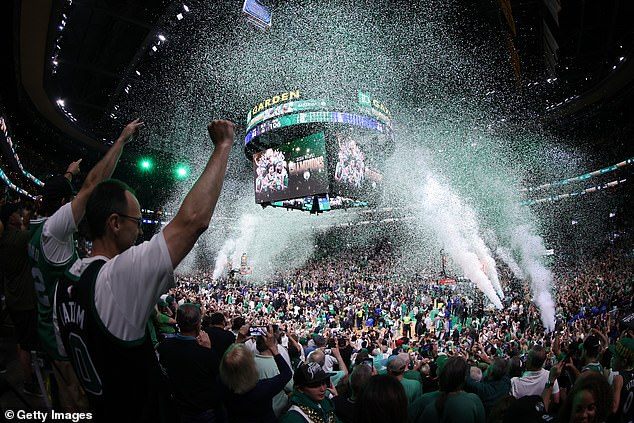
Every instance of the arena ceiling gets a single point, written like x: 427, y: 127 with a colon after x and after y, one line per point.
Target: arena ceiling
x: 68, y: 64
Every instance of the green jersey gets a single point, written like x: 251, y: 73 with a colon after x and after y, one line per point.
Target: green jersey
x: 45, y: 276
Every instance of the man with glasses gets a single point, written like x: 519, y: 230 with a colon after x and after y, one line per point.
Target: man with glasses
x: 52, y: 250
x: 103, y: 303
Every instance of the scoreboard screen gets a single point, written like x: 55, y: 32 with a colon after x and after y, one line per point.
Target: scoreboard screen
x: 291, y: 170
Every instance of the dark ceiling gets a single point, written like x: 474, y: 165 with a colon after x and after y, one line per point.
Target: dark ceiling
x: 87, y: 53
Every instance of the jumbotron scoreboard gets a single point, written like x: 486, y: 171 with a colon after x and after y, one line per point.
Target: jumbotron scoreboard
x: 316, y: 154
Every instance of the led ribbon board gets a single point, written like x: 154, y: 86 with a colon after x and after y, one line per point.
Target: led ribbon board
x: 285, y: 109
x: 315, y: 117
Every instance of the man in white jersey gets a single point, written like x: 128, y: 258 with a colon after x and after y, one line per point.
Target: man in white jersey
x: 52, y: 250
x: 103, y: 303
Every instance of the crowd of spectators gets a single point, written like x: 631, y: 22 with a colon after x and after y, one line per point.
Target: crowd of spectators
x: 355, y: 307
x: 348, y: 337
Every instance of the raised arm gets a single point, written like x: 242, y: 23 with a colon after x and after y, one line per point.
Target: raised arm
x: 547, y: 393
x: 195, y: 213
x: 102, y: 170
x: 342, y: 364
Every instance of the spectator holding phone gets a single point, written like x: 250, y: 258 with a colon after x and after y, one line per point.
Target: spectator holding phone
x: 248, y: 398
x: 267, y: 368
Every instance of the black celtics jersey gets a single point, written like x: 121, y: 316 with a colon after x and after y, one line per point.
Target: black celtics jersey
x: 122, y: 379
x: 626, y: 405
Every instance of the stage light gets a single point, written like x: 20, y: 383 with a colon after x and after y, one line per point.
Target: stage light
x: 161, y: 37
x: 181, y: 171
x: 146, y: 164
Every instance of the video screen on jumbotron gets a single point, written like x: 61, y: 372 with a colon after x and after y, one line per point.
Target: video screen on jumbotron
x: 355, y: 174
x: 291, y: 170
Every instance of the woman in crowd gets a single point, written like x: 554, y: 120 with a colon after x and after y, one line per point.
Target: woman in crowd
x: 450, y: 404
x: 590, y: 400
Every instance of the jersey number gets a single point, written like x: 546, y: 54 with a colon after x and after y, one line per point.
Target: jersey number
x: 84, y: 366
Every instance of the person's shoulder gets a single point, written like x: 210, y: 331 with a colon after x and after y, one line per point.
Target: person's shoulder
x: 472, y: 396
x: 417, y: 407
x: 409, y: 382
x: 292, y: 416
x: 429, y: 396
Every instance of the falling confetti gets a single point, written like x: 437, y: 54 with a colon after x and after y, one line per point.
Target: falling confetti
x: 463, y: 149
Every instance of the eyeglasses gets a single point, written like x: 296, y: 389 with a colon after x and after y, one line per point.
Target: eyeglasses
x: 138, y: 220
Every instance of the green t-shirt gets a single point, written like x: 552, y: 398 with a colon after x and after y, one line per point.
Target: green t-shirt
x: 460, y: 407
x: 413, y: 389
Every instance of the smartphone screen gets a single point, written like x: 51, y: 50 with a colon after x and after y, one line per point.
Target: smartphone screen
x: 257, y: 330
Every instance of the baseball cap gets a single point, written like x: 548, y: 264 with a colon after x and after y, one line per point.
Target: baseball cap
x: 624, y: 348
x: 396, y: 364
x: 309, y: 374
x: 7, y: 211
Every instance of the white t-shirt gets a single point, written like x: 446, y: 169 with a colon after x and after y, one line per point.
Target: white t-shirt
x: 57, y: 235
x: 531, y: 383
x: 128, y: 286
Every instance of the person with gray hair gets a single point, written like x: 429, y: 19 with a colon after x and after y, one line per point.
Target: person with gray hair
x: 475, y: 373
x: 325, y: 360
x: 248, y: 398
x: 345, y: 407
x: 494, y: 386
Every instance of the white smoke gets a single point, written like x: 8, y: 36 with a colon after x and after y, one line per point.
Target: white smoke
x: 455, y: 226
x: 532, y: 252
x: 225, y: 252
x: 507, y: 258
